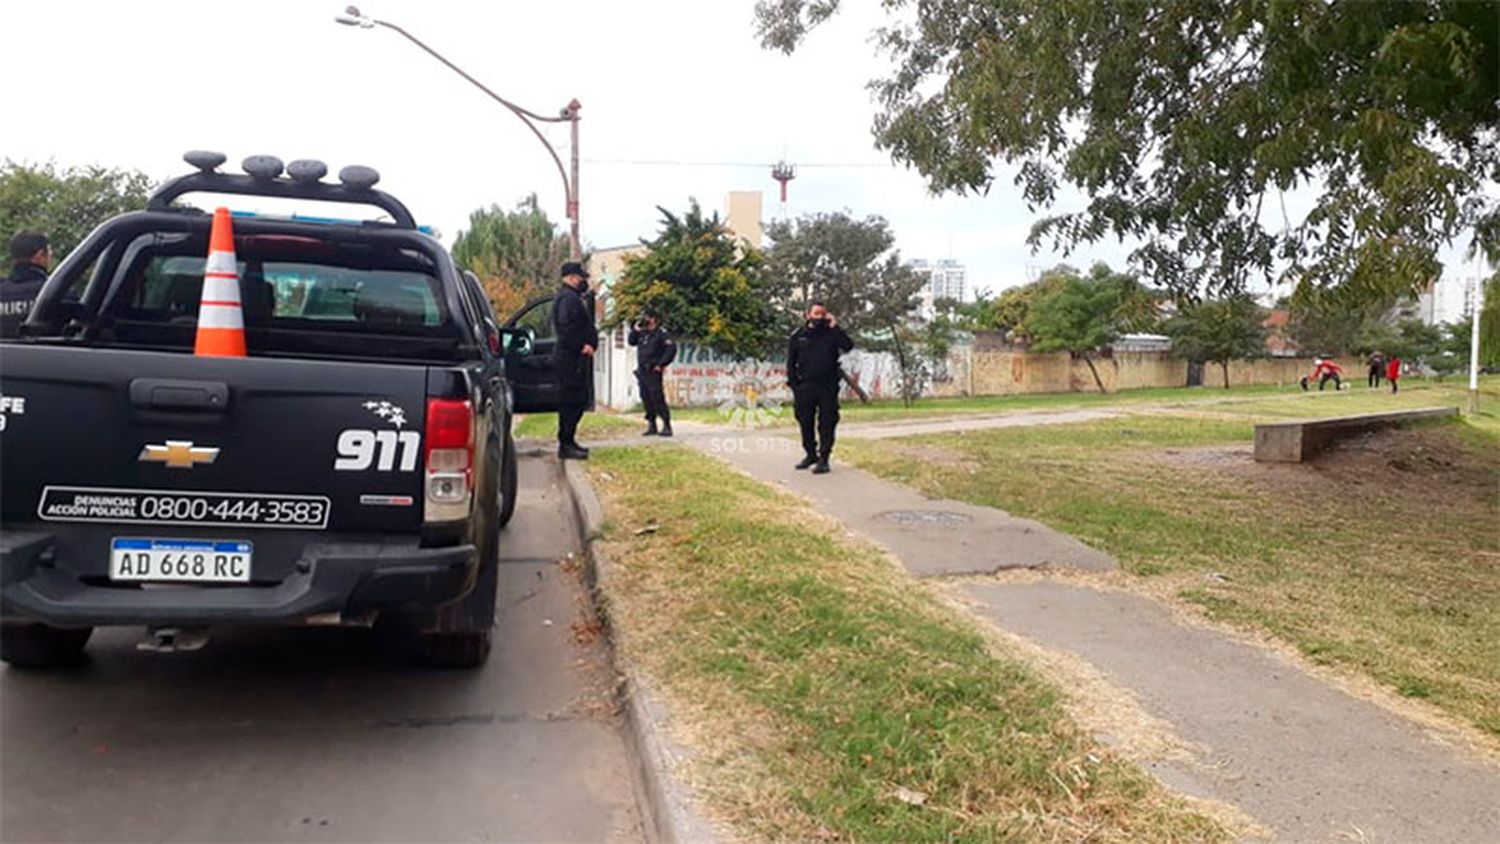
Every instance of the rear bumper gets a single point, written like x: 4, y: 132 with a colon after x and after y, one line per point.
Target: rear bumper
x: 350, y: 578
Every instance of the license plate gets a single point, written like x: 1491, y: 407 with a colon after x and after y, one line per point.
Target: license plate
x: 180, y: 560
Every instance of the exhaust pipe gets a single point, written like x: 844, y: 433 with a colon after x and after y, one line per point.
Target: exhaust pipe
x: 166, y: 640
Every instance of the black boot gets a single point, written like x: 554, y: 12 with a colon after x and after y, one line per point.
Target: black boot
x: 666, y: 430
x: 572, y: 452
x: 650, y: 428
x: 807, y: 461
x: 822, y: 466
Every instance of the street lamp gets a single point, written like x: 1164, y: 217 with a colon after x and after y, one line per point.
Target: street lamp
x: 569, y: 114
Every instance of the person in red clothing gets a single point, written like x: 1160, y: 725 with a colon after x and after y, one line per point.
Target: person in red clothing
x: 1324, y: 370
x: 1393, y: 371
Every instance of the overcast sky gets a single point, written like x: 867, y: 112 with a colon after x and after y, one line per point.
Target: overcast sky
x: 135, y: 84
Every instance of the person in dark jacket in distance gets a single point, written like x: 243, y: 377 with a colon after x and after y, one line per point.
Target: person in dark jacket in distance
x: 1376, y: 369
x: 655, y: 351
x: 573, y: 357
x: 813, y: 373
x: 30, y: 258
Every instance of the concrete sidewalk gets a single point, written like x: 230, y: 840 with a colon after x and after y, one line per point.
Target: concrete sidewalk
x: 931, y: 536
x: 1298, y: 755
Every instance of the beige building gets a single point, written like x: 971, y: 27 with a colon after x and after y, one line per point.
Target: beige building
x: 742, y: 216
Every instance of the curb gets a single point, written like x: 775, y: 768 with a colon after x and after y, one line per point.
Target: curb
x: 670, y: 815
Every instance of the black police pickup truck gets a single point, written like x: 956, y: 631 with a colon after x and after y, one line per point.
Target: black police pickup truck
x: 356, y: 464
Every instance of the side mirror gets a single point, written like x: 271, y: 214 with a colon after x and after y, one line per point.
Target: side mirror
x: 517, y: 342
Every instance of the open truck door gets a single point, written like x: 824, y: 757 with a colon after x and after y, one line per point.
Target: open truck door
x: 529, y: 342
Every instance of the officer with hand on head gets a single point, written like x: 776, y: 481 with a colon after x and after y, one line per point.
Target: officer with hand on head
x: 655, y: 351
x: 31, y: 258
x: 813, y: 372
x: 573, y: 357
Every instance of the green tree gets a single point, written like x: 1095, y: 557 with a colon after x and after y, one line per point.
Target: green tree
x: 66, y: 204
x: 1014, y: 305
x: 1081, y: 315
x: 707, y: 286
x: 1489, y: 325
x: 977, y: 315
x: 1326, y: 322
x: 1180, y: 119
x: 852, y: 267
x: 515, y: 254
x: 1453, y: 352
x: 1419, y: 342
x: 848, y: 264
x: 1219, y: 331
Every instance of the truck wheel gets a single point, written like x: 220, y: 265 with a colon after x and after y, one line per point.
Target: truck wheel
x: 509, y: 482
x: 40, y: 646
x: 464, y: 649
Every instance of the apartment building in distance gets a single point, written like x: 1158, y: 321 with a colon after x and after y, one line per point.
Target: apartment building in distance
x: 946, y: 279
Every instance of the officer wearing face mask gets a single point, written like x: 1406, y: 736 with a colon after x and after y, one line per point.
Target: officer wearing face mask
x: 573, y: 356
x: 813, y: 372
x: 655, y: 352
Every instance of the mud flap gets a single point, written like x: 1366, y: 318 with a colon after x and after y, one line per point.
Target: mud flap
x: 475, y: 611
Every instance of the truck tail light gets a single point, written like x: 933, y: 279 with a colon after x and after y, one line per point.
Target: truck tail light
x: 449, y: 451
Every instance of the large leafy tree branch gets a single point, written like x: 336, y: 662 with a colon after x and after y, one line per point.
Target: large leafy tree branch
x: 1184, y: 122
x: 515, y: 253
x: 708, y: 286
x: 65, y: 203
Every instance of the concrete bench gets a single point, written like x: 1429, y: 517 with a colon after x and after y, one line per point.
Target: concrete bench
x: 1294, y: 442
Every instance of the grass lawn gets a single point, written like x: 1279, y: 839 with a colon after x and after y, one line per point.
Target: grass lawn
x: 1417, y: 393
x: 829, y: 696
x: 1382, y: 558
x: 1452, y: 391
x: 594, y: 425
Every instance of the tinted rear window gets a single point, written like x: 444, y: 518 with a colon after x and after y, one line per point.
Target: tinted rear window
x: 295, y: 294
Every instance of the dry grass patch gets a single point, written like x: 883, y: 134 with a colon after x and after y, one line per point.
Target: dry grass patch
x: 829, y: 696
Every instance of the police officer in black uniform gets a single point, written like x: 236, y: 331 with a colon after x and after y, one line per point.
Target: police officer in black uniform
x: 812, y: 371
x: 577, y: 338
x: 655, y: 352
x: 30, y: 260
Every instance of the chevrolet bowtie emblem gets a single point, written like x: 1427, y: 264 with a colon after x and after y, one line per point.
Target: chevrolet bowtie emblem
x: 178, y: 454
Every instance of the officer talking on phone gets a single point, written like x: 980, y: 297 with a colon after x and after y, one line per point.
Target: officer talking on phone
x: 655, y: 351
x: 813, y: 372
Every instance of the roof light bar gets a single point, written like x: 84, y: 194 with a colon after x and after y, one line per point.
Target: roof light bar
x: 205, y: 160
x: 262, y: 166
x: 359, y: 177
x: 306, y: 170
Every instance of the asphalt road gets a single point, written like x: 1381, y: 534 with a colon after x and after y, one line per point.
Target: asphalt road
x: 334, y: 735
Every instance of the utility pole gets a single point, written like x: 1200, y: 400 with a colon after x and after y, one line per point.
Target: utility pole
x: 1478, y: 304
x: 574, y: 251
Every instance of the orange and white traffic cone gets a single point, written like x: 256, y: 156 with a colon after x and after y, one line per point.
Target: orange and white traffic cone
x: 221, y: 321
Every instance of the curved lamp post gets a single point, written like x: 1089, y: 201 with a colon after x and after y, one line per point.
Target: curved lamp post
x: 569, y: 114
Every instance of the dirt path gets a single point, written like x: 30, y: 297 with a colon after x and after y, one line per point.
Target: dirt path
x: 1303, y: 758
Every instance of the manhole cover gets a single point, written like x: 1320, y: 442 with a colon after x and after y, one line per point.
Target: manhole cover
x: 925, y: 517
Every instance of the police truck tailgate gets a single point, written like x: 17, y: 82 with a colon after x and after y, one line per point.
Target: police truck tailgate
x: 164, y: 446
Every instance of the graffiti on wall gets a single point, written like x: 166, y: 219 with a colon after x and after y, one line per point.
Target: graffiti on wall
x: 702, y: 377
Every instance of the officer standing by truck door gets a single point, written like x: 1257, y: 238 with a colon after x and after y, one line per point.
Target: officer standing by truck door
x: 655, y: 351
x: 812, y: 371
x: 573, y: 357
x: 30, y: 258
